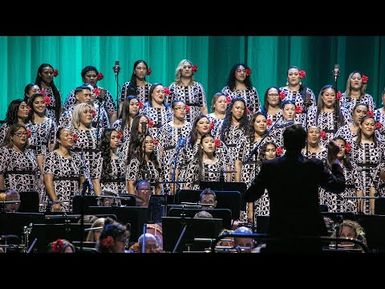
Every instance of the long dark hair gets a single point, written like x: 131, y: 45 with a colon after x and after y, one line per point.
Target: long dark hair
x: 55, y: 91
x: 346, y: 159
x: 106, y: 152
x: 200, y: 155
x: 12, y: 111
x: 231, y: 80
x: 227, y: 121
x: 194, y: 133
x: 125, y: 113
x: 30, y: 104
x: 133, y: 76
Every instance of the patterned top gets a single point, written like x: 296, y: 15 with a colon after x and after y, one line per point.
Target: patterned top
x: 291, y: 95
x: 159, y: 115
x: 142, y: 92
x: 216, y: 124
x: 108, y: 103
x: 50, y: 109
x: 349, y: 103
x: 42, y: 134
x: 20, y: 170
x: 66, y: 176
x: 250, y: 96
x: 146, y: 171
x: 193, y: 95
x: 86, y: 148
x: 3, y: 132
x: 114, y: 178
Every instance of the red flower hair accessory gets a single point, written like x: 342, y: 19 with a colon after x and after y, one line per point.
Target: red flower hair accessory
x: 29, y: 133
x: 217, y: 143
x: 75, y: 137
x: 378, y: 125
x: 323, y: 134
x: 55, y: 73
x: 149, y: 71
x: 120, y: 135
x: 298, y: 109
x: 97, y: 91
x: 166, y: 91
x: 57, y: 246
x: 47, y: 100
x: 302, y: 73
x: 194, y: 68
x: 348, y: 148
x: 370, y: 113
x: 212, y: 125
x: 100, y: 76
x: 43, y: 91
x: 140, y: 104
x: 155, y: 141
x: 279, y: 151
x: 93, y: 113
x: 107, y: 242
x: 339, y: 95
x: 187, y: 107
x: 248, y: 71
x: 150, y: 122
x: 269, y: 122
x: 29, y: 108
x: 228, y: 99
x: 364, y: 79
x: 247, y: 110
x: 282, y: 95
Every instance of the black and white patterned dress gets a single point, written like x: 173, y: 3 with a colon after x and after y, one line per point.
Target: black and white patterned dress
x: 42, y: 135
x: 86, y: 148
x: 159, y: 116
x: 50, y: 109
x: 262, y: 205
x: 209, y: 173
x: 215, y: 124
x: 168, y: 142
x: 66, y: 173
x: 143, y: 92
x: 250, y: 168
x: 379, y: 116
x: 20, y: 170
x: 326, y: 121
x: 349, y: 103
x: 250, y: 96
x: 114, y: 177
x: 117, y: 125
x: 273, y: 118
x: 108, y: 103
x: 3, y: 132
x: 147, y: 171
x: 346, y: 133
x: 367, y: 160
x: 193, y: 95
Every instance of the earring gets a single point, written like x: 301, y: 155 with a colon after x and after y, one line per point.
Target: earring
x: 300, y: 83
x: 287, y: 83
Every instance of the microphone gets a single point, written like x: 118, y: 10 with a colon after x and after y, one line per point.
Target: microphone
x: 336, y: 71
x: 116, y: 67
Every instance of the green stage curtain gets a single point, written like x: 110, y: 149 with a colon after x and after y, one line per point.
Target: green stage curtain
x: 268, y: 56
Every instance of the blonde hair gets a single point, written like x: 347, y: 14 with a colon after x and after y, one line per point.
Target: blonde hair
x: 79, y: 108
x: 99, y: 222
x: 178, y: 70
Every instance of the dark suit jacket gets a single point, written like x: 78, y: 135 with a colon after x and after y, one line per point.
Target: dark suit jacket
x: 292, y: 183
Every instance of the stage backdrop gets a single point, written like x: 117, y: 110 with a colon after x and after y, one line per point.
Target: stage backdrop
x: 268, y: 56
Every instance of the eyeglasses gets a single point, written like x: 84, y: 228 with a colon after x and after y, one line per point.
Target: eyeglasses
x: 20, y: 134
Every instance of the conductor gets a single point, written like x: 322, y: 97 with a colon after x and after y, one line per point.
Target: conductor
x: 292, y: 182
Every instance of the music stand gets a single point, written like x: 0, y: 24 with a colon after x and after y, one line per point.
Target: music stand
x: 29, y: 202
x: 47, y: 233
x: 136, y: 216
x: 225, y: 199
x: 194, y: 228
x: 227, y: 186
x: 87, y: 201
x: 375, y: 235
x: 157, y: 207
x: 13, y: 223
x: 224, y: 214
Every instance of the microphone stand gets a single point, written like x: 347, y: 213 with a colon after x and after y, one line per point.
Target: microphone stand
x: 255, y: 149
x: 116, y: 72
x: 306, y: 104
